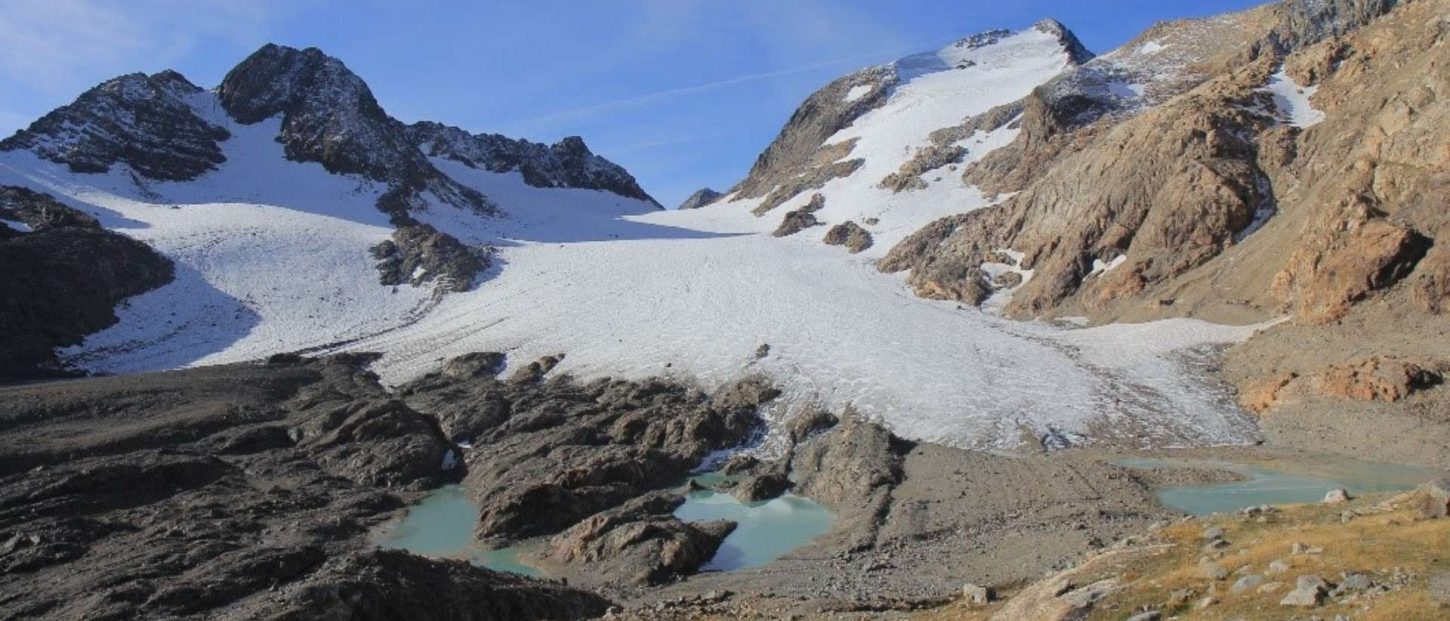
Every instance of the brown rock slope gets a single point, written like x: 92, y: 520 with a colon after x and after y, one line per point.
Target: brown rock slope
x: 1218, y: 209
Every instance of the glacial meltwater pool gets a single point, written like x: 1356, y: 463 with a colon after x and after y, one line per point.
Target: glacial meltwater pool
x: 441, y: 525
x: 1273, y: 482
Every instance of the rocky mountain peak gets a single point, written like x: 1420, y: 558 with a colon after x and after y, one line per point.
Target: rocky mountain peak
x: 329, y: 116
x: 1076, y: 51
x: 135, y: 119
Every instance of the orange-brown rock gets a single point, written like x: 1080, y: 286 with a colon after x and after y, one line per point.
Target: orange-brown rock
x: 1336, y: 268
x: 1376, y: 379
x: 1263, y: 395
x: 1432, y: 279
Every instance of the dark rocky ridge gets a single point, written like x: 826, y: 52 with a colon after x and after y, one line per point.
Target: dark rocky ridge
x: 138, y: 120
x: 62, y: 280
x: 329, y: 115
x: 567, y: 163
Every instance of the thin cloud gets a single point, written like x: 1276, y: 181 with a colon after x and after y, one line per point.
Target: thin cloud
x: 647, y: 98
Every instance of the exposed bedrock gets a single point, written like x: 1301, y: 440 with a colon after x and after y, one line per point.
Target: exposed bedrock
x: 242, y: 491
x: 558, y: 451
x: 62, y: 280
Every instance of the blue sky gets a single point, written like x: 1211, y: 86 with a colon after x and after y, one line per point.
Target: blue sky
x: 684, y: 93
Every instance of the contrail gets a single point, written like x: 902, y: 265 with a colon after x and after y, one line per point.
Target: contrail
x: 698, y: 88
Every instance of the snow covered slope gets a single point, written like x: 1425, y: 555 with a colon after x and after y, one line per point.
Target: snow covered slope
x: 272, y: 256
x: 937, y: 111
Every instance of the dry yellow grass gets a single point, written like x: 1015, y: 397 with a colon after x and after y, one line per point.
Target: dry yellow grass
x: 1387, y: 540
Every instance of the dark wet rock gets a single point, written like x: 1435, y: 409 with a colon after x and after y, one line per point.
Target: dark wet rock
x: 183, y: 494
x: 62, y: 281
x: 850, y: 235
x: 640, y: 542
x: 565, y: 164
x: 396, y: 585
x: 549, y: 454
x: 701, y: 198
x: 739, y: 463
x: 138, y: 120
x: 811, y: 422
x: 762, y: 486
x: 382, y: 444
x: 419, y: 253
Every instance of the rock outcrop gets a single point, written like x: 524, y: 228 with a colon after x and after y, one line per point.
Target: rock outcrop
x: 419, y: 253
x: 243, y: 491
x: 701, y: 198
x: 640, y: 542
x: 62, y: 280
x: 560, y: 451
x: 567, y: 163
x: 850, y: 235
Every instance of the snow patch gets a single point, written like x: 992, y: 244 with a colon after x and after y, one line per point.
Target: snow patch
x: 16, y: 224
x: 1293, y: 101
x: 857, y: 92
x: 1152, y: 47
x: 1101, y: 267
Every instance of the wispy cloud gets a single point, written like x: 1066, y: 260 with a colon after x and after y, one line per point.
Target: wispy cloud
x: 695, y: 89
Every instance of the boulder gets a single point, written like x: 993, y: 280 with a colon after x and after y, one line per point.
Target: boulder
x: 477, y: 364
x: 1309, y: 591
x: 850, y: 235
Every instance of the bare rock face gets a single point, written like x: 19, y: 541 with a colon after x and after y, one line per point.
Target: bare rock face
x: 850, y: 235
x: 329, y: 115
x: 382, y: 444
x: 799, y: 151
x: 477, y: 364
x: 1377, y: 379
x: 1335, y: 269
x: 62, y: 280
x: 565, y: 164
x: 142, y: 121
x: 1196, y: 164
x: 640, y: 542
x: 1432, y: 280
x: 419, y: 253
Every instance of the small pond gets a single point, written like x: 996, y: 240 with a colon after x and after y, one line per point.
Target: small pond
x: 766, y: 530
x: 441, y: 525
x: 1280, y: 482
